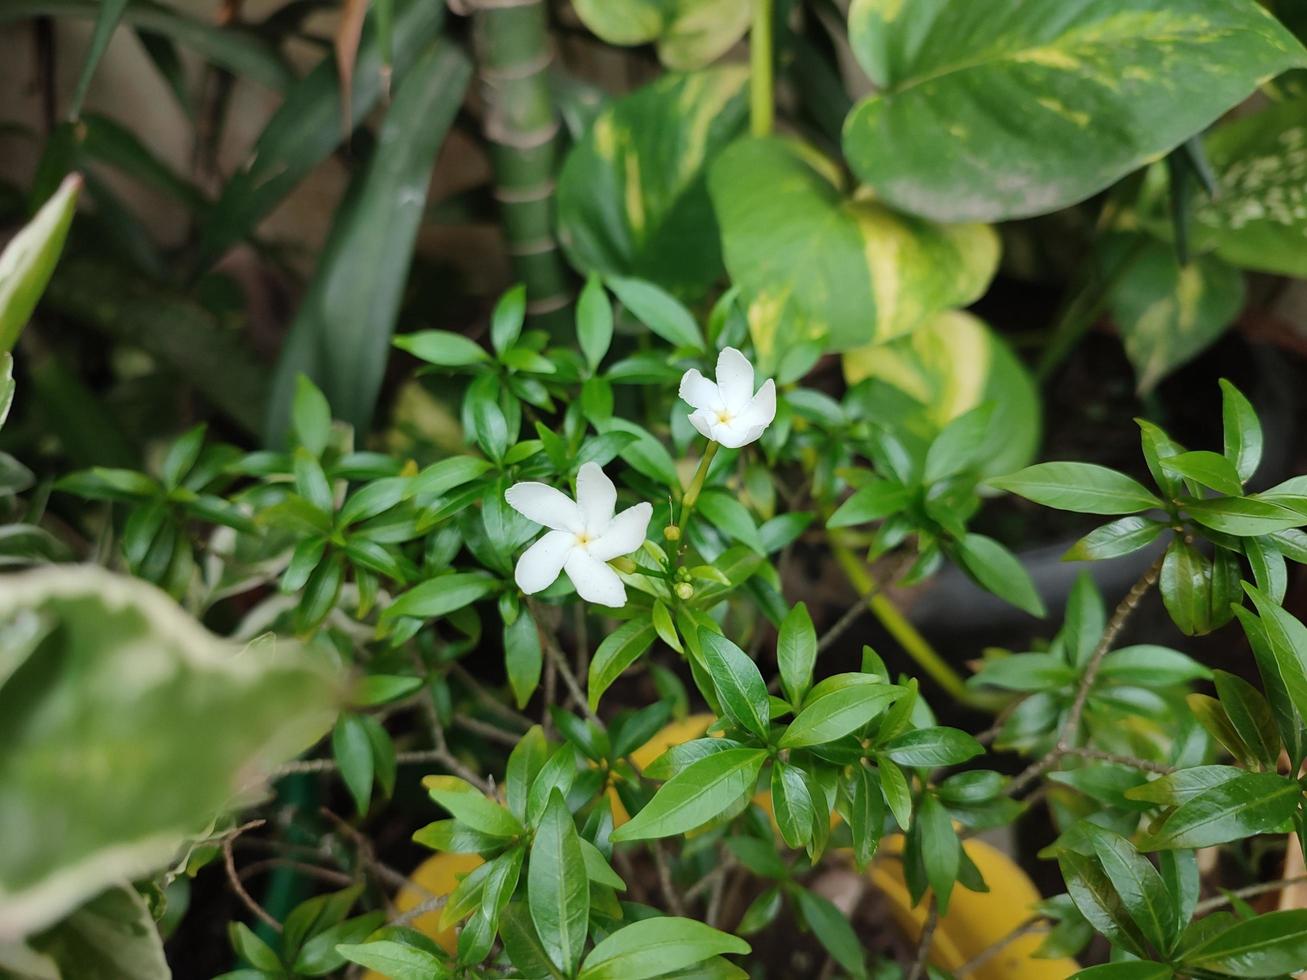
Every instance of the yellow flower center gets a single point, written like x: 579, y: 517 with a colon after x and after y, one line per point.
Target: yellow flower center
x: 724, y: 417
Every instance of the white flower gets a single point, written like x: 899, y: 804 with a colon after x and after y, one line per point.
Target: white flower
x: 584, y: 535
x: 729, y: 412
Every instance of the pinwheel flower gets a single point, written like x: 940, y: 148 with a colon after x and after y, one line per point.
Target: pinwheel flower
x: 729, y: 412
x: 583, y: 536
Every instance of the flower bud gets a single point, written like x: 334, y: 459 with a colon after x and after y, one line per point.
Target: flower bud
x: 672, y: 533
x: 685, y: 590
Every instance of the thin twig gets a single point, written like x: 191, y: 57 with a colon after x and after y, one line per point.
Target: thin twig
x: 924, y: 944
x: 429, y: 905
x: 713, y: 914
x: 478, y: 727
x: 229, y: 862
x: 1071, y: 725
x: 670, y: 895
x: 390, y: 876
x: 1249, y: 892
x: 582, y: 640
x: 996, y: 947
x: 491, y: 702
x: 710, y: 879
x: 312, y: 870
x: 851, y: 616
x: 559, y: 660
x: 415, y: 757
x: 1121, y: 760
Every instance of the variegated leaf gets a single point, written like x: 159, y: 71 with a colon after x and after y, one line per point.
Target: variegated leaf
x: 818, y: 265
x: 689, y: 33
x: 946, y: 368
x: 632, y: 199
x: 995, y: 109
x: 1167, y: 313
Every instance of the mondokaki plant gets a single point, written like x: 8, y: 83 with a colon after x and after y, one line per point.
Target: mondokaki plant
x: 517, y: 595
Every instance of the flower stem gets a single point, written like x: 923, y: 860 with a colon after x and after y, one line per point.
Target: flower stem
x: 762, y: 107
x: 913, y: 643
x: 696, y: 486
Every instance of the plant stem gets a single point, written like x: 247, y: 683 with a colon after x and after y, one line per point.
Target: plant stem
x: 514, y: 53
x: 696, y: 486
x: 913, y: 643
x: 762, y: 106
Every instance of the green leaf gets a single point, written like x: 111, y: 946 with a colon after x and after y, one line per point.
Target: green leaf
x: 1167, y: 312
x: 441, y: 596
x: 1252, y: 803
x: 1082, y: 487
x: 632, y: 199
x: 816, y: 263
x: 619, y: 649
x: 689, y: 33
x: 1139, y: 886
x: 594, y: 321
x: 832, y: 928
x: 960, y: 446
x: 894, y: 785
x: 655, y: 947
x: 1122, y: 537
x: 111, y: 11
x: 731, y: 517
x: 1243, y: 516
x: 998, y: 112
x: 507, y: 318
x: 792, y: 804
x: 1251, y: 716
x: 1098, y: 901
x: 875, y: 500
x: 522, y: 657
x: 1146, y: 665
x: 1210, y: 470
x: 306, y: 128
x: 999, y: 571
x: 796, y: 652
x: 558, y: 891
x: 837, y: 706
x: 1265, y: 946
x: 523, y: 944
x: 695, y: 795
x: 1242, y: 431
x: 1024, y: 672
x: 6, y: 385
x: 1126, y: 970
x: 932, y: 747
x: 96, y: 666
x: 1185, y: 583
x: 28, y: 261
x: 1279, y: 644
x: 352, y: 749
x: 318, y: 956
x: 658, y: 310
x: 398, y: 961
x: 470, y: 806
x: 341, y: 335
x: 739, y: 685
x: 442, y: 348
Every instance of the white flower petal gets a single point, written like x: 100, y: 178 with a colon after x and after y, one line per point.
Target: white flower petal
x: 761, y: 409
x: 735, y: 379
x: 594, y: 581
x: 597, y: 498
x: 545, y: 505
x: 703, y: 421
x: 541, y: 563
x: 698, y: 392
x: 624, y: 535
x: 733, y: 436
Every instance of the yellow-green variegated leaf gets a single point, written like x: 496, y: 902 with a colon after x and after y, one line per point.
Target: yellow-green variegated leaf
x: 1167, y: 313
x: 632, y: 199
x: 815, y: 264
x: 921, y: 382
x: 689, y: 33
x: 994, y: 109
x: 125, y: 729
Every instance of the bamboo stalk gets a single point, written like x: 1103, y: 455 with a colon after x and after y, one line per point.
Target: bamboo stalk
x: 514, y: 51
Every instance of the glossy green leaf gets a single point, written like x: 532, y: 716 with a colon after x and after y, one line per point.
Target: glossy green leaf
x: 1099, y: 902
x: 1207, y: 469
x: 523, y: 659
x: 97, y: 660
x: 441, y: 596
x: 1086, y: 488
x: 632, y: 199
x: 941, y: 851
x: 1244, y: 516
x: 816, y: 264
x: 998, y: 110
x: 398, y: 961
x: 470, y: 806
x: 1000, y: 572
x: 1122, y: 537
x: 1252, y: 803
x: 837, y: 706
x: 1242, y: 432
x: 619, y: 649
x: 1138, y: 884
x: 832, y: 928
x: 1251, y: 715
x: 932, y: 747
x: 558, y: 891
x: 740, y: 687
x: 655, y: 947
x: 695, y: 795
x: 689, y: 33
x: 1265, y: 946
x: 796, y: 652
